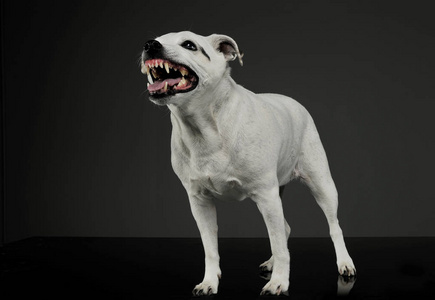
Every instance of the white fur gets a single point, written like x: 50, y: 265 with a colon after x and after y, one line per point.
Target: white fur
x: 229, y: 143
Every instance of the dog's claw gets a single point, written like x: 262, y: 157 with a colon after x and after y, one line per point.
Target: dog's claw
x: 267, y: 292
x: 267, y: 266
x: 204, y: 290
x: 273, y: 288
x: 348, y: 272
x: 346, y: 268
x: 197, y: 292
x: 266, y: 275
x: 265, y: 269
x: 264, y: 293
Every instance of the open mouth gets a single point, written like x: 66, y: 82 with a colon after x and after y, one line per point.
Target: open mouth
x: 166, y: 78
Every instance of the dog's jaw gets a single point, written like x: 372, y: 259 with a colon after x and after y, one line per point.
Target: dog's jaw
x: 167, y: 78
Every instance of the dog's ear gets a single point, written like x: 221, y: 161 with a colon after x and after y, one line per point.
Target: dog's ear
x: 227, y: 46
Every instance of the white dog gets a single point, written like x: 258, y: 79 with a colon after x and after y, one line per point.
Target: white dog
x: 229, y: 143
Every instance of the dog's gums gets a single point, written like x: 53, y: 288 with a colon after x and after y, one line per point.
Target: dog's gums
x: 168, y: 78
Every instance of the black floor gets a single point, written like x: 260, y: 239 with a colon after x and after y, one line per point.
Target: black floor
x: 143, y: 268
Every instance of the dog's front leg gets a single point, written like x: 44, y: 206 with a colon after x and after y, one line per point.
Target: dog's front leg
x: 204, y: 212
x: 270, y: 206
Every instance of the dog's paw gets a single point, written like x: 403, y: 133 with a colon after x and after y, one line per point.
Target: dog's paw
x: 275, y: 287
x: 267, y: 266
x: 266, y: 275
x: 205, y: 288
x: 346, y: 267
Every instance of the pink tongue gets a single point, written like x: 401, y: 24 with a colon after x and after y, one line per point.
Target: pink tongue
x: 158, y: 85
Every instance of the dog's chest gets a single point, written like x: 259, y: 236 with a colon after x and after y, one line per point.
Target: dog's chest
x: 217, y: 186
x: 208, y: 175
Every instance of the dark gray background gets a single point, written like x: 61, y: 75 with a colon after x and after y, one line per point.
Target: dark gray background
x: 88, y: 155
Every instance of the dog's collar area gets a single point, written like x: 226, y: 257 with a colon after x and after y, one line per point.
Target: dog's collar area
x: 168, y: 78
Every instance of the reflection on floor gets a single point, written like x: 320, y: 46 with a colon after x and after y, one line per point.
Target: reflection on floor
x: 146, y: 268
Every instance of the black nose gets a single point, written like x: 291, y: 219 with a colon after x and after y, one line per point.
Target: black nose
x: 152, y: 47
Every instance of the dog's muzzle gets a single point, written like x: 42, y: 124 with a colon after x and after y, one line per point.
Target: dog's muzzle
x: 165, y: 77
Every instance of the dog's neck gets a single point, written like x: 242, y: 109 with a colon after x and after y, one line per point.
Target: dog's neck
x: 198, y: 118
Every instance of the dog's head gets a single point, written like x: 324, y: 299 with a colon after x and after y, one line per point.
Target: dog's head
x: 183, y: 65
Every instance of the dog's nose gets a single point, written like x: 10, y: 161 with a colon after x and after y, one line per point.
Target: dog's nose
x: 152, y: 47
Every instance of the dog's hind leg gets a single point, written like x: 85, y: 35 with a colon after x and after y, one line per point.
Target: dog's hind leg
x: 314, y: 171
x: 267, y: 266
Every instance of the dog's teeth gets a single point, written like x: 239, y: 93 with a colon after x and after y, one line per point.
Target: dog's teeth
x: 182, y: 83
x: 148, y: 70
x: 150, y: 78
x: 161, y: 64
x: 167, y: 67
x: 183, y: 72
x: 165, y: 89
x: 148, y: 84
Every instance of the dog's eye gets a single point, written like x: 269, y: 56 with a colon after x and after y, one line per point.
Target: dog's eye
x: 189, y: 45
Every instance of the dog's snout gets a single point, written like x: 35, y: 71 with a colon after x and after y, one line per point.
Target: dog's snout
x: 152, y: 47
